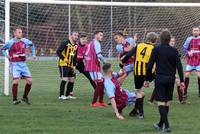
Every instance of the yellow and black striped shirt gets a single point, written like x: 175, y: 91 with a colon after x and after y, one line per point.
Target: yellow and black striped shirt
x: 67, y: 52
x: 142, y: 56
x: 142, y: 53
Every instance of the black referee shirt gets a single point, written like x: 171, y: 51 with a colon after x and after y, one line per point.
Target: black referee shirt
x: 167, y: 60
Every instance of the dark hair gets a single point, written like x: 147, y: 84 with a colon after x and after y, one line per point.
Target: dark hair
x: 165, y: 37
x: 106, y: 67
x: 119, y: 34
x: 195, y: 27
x: 83, y: 35
x: 96, y: 32
x: 17, y: 27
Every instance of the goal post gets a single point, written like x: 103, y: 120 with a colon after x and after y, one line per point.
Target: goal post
x: 48, y: 21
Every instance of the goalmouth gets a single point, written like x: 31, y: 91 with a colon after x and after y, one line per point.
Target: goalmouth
x: 136, y: 17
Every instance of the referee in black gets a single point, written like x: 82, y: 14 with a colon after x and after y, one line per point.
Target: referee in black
x: 167, y: 61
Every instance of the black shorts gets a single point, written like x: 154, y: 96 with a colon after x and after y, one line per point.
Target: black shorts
x: 139, y: 80
x: 164, y: 86
x: 66, y: 71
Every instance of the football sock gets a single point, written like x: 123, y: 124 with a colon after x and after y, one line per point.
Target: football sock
x: 153, y: 96
x: 101, y: 91
x: 62, y: 87
x: 27, y: 90
x: 96, y: 94
x: 70, y: 86
x: 199, y: 84
x: 187, y: 80
x: 180, y: 94
x: 163, y: 114
x: 140, y: 105
x: 14, y: 91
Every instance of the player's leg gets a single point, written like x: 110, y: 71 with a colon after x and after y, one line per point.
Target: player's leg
x: 188, y: 72
x: 198, y: 78
x: 139, y: 80
x: 16, y: 74
x: 87, y: 75
x: 70, y: 85
x: 63, y: 82
x: 179, y: 91
x: 25, y: 72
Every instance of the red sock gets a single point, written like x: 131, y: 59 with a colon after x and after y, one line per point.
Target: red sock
x: 101, y: 91
x: 96, y: 94
x: 180, y: 94
x: 14, y: 91
x: 187, y: 80
x: 26, y: 90
x: 153, y: 96
x: 199, y: 84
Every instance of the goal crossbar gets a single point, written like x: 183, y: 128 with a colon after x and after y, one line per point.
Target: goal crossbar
x: 97, y: 3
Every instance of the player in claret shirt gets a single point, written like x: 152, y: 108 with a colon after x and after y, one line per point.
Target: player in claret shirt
x: 118, y: 96
x: 17, y: 56
x: 192, y: 53
x: 80, y: 66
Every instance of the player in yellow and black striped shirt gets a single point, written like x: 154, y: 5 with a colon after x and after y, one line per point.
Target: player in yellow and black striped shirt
x: 142, y: 53
x: 67, y: 62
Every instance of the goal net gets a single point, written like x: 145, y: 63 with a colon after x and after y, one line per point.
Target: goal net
x: 48, y: 24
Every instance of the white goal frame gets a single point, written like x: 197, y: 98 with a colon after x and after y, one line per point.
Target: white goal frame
x: 69, y: 2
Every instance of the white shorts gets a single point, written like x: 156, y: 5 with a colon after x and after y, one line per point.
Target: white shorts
x: 190, y: 68
x: 96, y: 76
x: 131, y: 97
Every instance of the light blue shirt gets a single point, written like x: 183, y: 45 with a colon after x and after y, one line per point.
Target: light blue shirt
x: 9, y: 44
x: 120, y: 48
x: 97, y: 48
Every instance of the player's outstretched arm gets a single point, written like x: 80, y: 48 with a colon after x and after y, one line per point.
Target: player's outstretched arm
x: 5, y: 47
x: 114, y: 106
x: 31, y: 45
x: 129, y: 54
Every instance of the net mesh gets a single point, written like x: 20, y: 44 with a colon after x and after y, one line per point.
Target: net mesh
x: 48, y: 25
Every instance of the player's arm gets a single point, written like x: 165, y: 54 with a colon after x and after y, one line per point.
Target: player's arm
x: 186, y: 46
x: 97, y: 48
x: 5, y: 47
x: 30, y: 44
x: 150, y: 66
x: 110, y: 91
x: 129, y: 54
x: 132, y: 43
x: 180, y: 69
x: 60, y: 49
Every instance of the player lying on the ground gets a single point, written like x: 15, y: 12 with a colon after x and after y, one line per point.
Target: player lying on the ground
x: 142, y: 53
x: 119, y: 97
x: 192, y: 53
x: 17, y: 56
x: 82, y: 48
x: 123, y: 46
x: 93, y: 56
x: 67, y: 63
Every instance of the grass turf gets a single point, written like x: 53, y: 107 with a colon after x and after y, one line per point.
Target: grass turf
x: 48, y: 115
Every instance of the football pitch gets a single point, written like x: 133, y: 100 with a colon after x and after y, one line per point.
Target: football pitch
x: 48, y: 115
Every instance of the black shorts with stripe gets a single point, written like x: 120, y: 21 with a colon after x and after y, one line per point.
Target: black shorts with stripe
x: 139, y: 80
x: 164, y: 86
x: 66, y: 71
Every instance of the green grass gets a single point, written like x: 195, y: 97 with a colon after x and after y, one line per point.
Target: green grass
x: 48, y: 115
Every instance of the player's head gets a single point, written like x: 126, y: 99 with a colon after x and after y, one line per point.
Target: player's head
x: 195, y: 31
x: 151, y: 37
x: 172, y: 41
x: 119, y: 37
x: 165, y: 37
x: 83, y: 39
x: 18, y: 32
x: 107, y: 69
x: 74, y: 36
x: 99, y: 35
